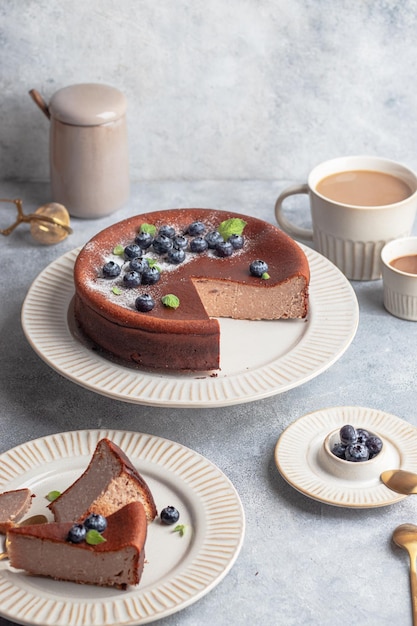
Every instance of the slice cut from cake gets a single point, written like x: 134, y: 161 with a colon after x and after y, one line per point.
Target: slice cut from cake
x: 109, y: 482
x: 43, y: 550
x: 215, y: 282
x: 13, y: 506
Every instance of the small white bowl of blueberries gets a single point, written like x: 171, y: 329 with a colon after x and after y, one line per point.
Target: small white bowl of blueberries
x: 352, y: 452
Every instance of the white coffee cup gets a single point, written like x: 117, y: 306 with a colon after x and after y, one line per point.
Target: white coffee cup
x: 400, y: 286
x: 352, y: 235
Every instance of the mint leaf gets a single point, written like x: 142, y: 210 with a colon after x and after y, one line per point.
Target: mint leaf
x: 116, y: 290
x: 154, y: 263
x: 53, y: 495
x: 93, y: 537
x: 180, y: 529
x: 118, y: 250
x: 232, y: 226
x: 148, y: 228
x: 171, y: 301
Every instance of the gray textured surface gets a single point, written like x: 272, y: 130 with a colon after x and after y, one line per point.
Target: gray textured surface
x: 302, y: 562
x: 244, y: 89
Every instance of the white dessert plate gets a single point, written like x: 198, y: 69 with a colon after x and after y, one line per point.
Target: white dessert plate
x: 297, y: 456
x: 258, y: 358
x: 178, y: 570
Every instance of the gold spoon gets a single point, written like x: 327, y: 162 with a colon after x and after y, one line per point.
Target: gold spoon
x: 405, y: 536
x: 35, y: 519
x: 400, y: 481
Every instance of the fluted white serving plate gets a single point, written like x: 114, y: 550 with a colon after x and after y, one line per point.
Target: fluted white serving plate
x: 298, y: 457
x: 178, y: 570
x: 258, y: 358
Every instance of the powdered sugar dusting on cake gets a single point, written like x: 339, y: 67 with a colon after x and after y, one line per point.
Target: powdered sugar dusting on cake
x: 114, y: 288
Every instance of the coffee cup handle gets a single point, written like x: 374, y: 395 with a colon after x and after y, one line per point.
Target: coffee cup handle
x: 286, y: 225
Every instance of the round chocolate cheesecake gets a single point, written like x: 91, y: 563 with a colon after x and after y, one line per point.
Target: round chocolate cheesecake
x: 186, y: 291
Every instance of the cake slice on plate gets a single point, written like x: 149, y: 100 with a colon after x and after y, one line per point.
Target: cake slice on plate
x: 44, y: 550
x: 13, y: 506
x: 109, y: 482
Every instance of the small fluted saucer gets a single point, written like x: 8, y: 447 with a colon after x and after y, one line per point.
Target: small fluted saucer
x: 304, y: 459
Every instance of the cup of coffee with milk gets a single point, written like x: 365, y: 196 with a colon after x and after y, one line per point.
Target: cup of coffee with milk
x: 399, y: 277
x: 358, y: 204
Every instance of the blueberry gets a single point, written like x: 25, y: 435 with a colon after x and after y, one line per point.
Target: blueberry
x: 111, y: 269
x: 161, y: 244
x: 374, y: 445
x: 76, y: 533
x: 144, y: 303
x: 362, y: 435
x: 213, y: 238
x: 357, y: 452
x: 196, y: 228
x: 132, y: 279
x: 176, y: 256
x: 339, y: 450
x: 144, y: 240
x: 258, y: 268
x: 180, y: 242
x: 198, y: 244
x: 224, y: 249
x: 150, y: 275
x: 166, y: 230
x: 169, y: 515
x: 132, y: 250
x: 237, y: 241
x: 95, y: 521
x: 138, y: 264
x: 348, y: 434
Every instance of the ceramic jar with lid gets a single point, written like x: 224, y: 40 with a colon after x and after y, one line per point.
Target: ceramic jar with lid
x: 88, y: 148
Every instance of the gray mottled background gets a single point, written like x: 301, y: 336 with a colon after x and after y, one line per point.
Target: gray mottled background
x: 243, y: 89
